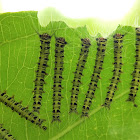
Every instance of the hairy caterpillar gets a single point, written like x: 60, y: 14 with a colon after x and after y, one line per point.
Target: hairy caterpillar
x: 101, y: 42
x: 4, y: 134
x: 118, y: 40
x: 21, y: 110
x: 45, y: 40
x: 136, y: 73
x: 59, y: 55
x: 78, y: 74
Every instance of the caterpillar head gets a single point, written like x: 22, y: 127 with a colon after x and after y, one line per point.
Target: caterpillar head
x: 101, y: 39
x: 45, y: 36
x: 138, y: 29
x: 118, y: 36
x: 61, y: 40
x: 86, y: 41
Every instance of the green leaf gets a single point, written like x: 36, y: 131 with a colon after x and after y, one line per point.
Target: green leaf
x: 19, y: 52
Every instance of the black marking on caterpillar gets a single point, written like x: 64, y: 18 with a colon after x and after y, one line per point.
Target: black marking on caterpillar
x: 118, y: 40
x: 78, y: 74
x: 21, y: 110
x: 45, y: 40
x: 101, y: 42
x: 136, y: 73
x: 4, y: 134
x: 59, y: 56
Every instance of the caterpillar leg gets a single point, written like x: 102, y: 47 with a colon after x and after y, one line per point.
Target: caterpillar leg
x: 55, y: 119
x: 107, y: 103
x: 131, y: 98
x: 73, y: 111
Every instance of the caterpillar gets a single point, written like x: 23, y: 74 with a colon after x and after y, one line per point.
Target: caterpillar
x: 136, y: 73
x: 4, y: 134
x: 101, y: 42
x: 45, y: 40
x: 78, y: 74
x: 21, y: 110
x: 59, y: 56
x: 118, y: 40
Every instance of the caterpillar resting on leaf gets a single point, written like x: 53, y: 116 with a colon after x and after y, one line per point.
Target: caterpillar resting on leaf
x: 101, y: 42
x: 78, y: 74
x: 118, y: 40
x: 21, y: 110
x: 4, y: 134
x: 59, y: 56
x: 136, y: 73
x: 45, y: 40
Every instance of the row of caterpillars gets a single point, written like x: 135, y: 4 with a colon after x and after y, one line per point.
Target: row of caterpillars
x: 45, y: 40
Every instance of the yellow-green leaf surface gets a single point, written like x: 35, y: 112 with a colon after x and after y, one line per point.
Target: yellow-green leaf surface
x: 19, y: 53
